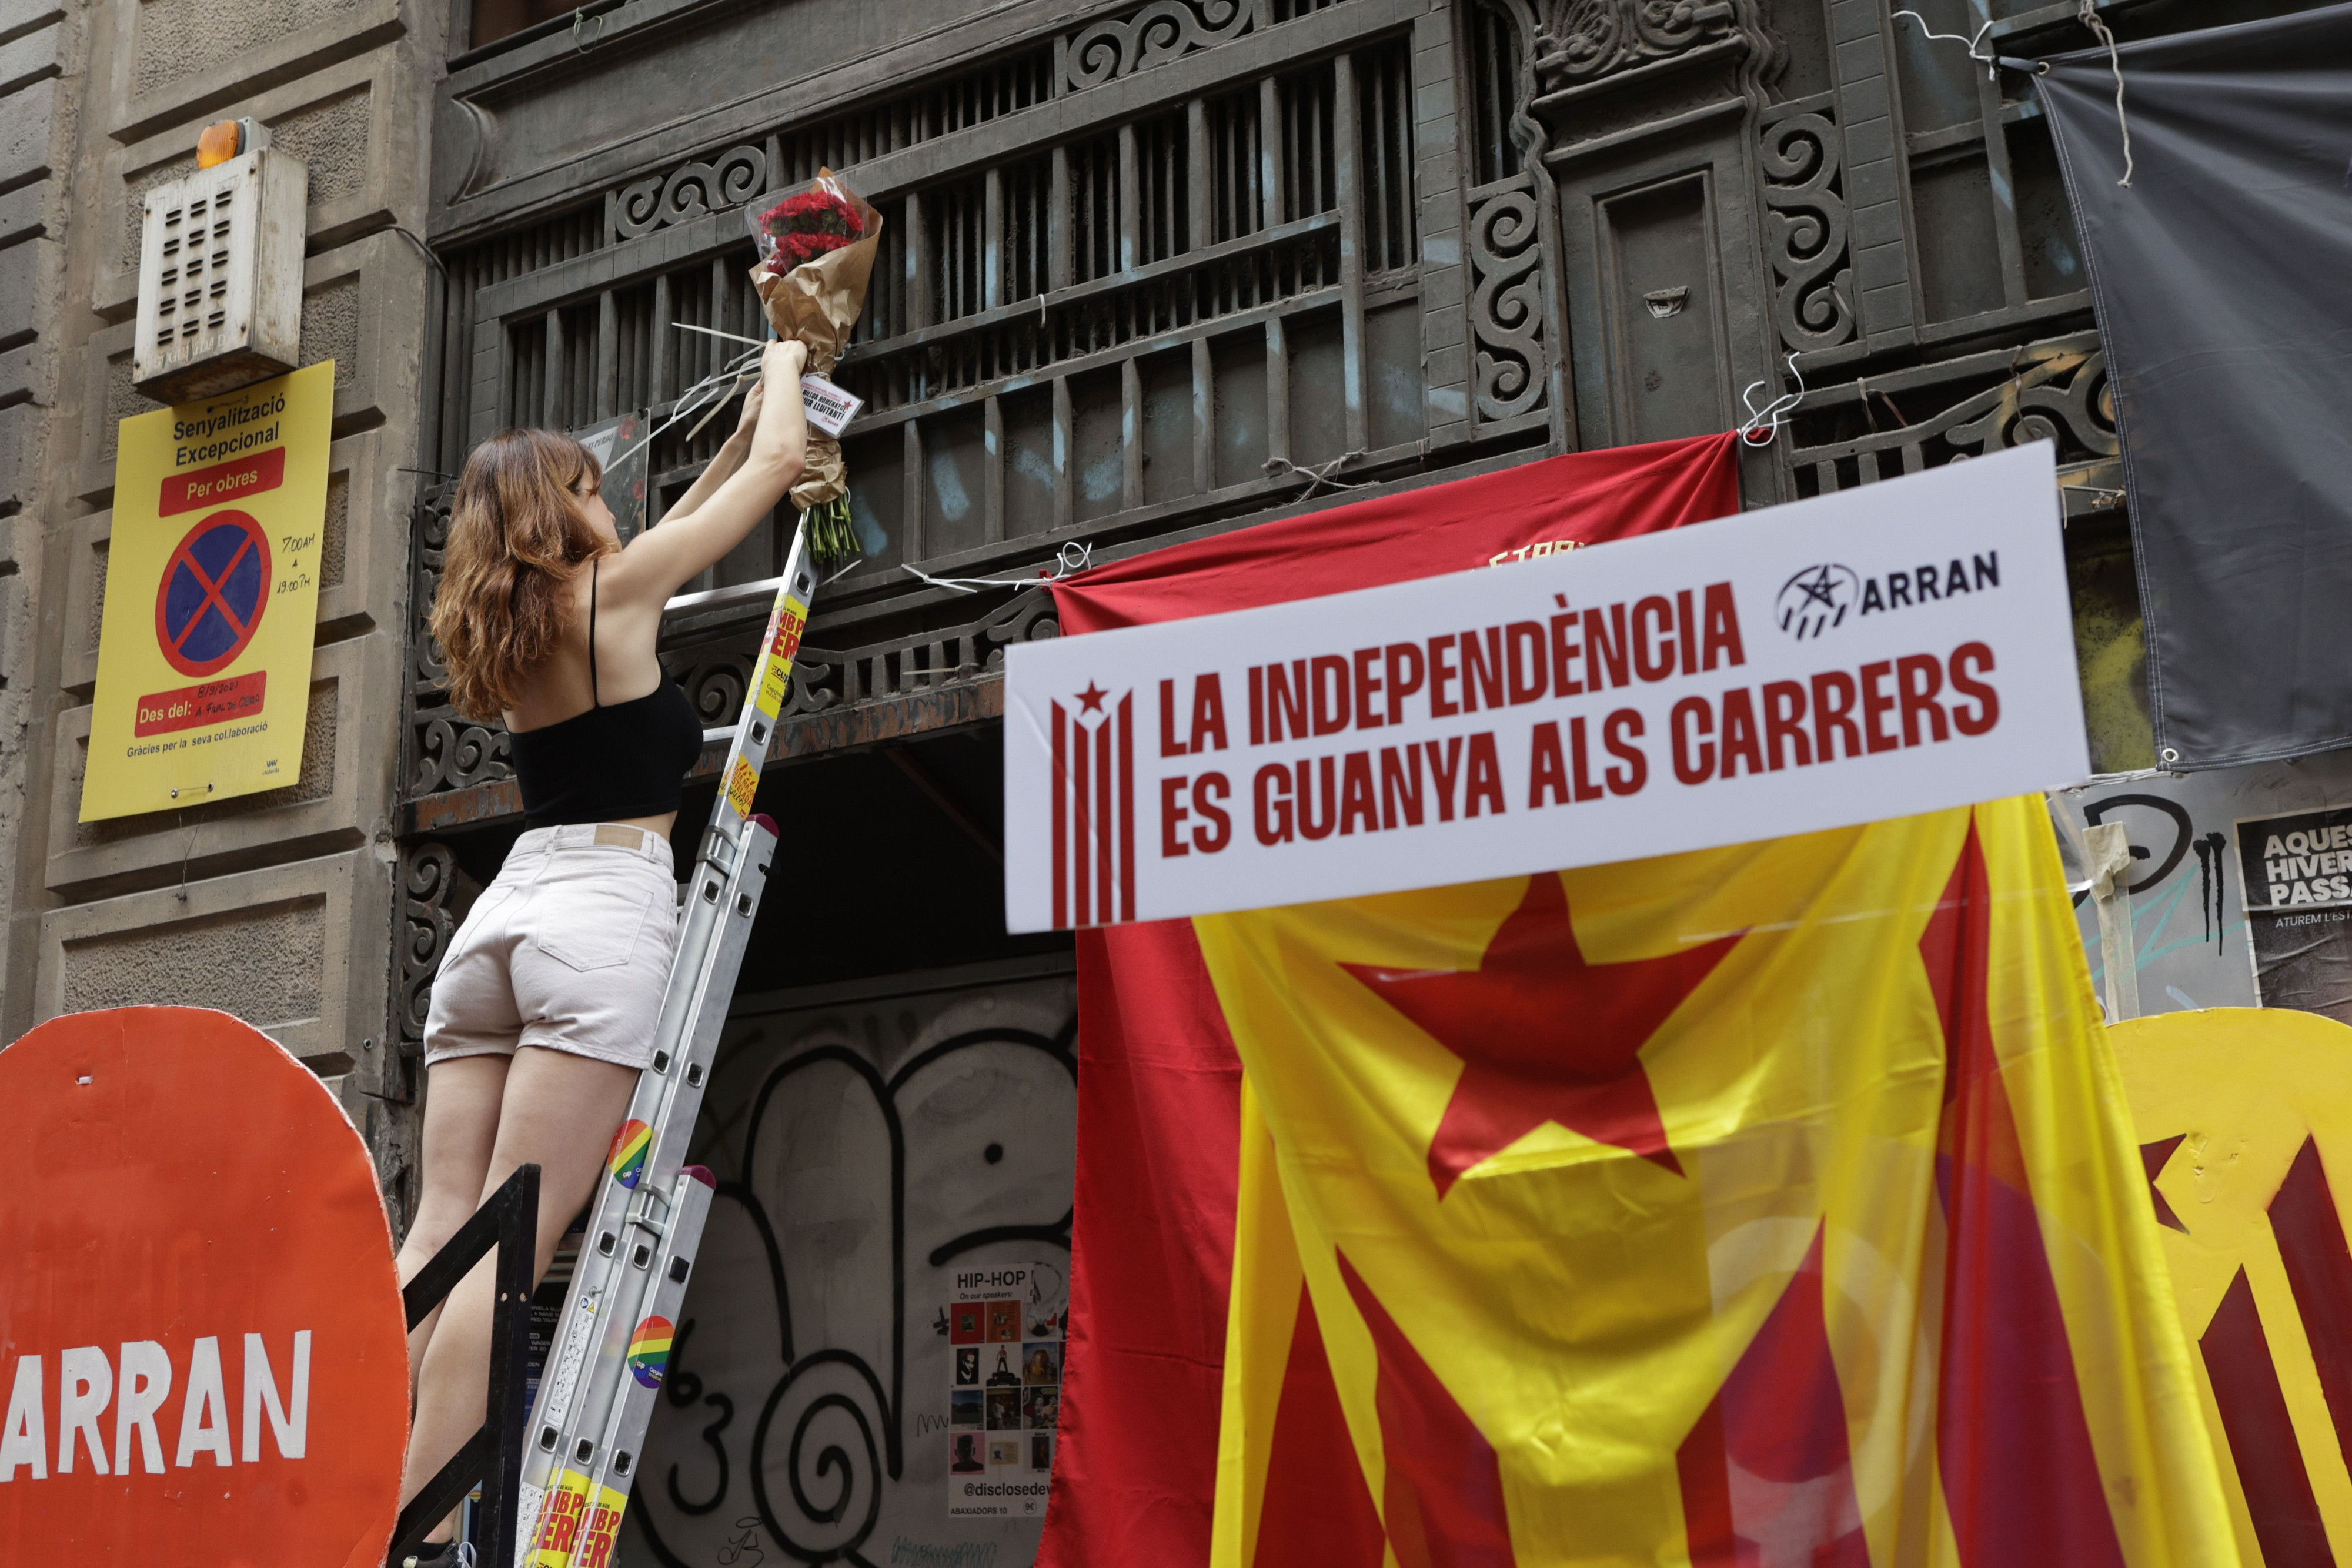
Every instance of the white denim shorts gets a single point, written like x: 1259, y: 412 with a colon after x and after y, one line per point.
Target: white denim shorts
x: 570, y: 949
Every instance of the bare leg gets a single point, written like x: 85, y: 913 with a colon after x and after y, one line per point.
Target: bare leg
x: 559, y: 1112
x: 461, y: 1128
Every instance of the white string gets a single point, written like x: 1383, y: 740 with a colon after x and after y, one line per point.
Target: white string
x: 1974, y: 43
x: 1768, y: 419
x: 2088, y: 12
x: 1073, y: 558
x: 714, y: 332
x: 722, y: 401
x: 2089, y: 16
x: 733, y: 374
x: 1277, y: 466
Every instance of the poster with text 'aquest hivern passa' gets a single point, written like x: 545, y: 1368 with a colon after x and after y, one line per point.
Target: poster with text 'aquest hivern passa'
x: 1898, y: 648
x: 211, y: 592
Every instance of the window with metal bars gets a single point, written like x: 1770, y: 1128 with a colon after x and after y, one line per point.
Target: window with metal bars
x: 1492, y: 63
x: 1997, y: 241
x: 1155, y: 313
x: 1003, y: 87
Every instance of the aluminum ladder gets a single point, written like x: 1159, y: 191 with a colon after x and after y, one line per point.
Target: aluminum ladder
x: 611, y: 1344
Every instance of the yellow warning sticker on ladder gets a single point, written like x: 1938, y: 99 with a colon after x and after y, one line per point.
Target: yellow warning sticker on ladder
x: 785, y: 629
x: 574, y: 1531
x: 741, y: 786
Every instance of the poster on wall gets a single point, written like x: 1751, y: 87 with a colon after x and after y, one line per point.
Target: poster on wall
x: 620, y: 449
x: 211, y: 598
x: 2295, y: 859
x: 1004, y: 1391
x: 2234, y: 898
x: 2297, y: 867
x: 2189, y: 917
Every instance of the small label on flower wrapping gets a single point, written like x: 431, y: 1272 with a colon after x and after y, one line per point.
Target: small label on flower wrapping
x: 830, y: 408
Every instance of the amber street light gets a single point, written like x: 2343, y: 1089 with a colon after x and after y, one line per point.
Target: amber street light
x: 217, y: 144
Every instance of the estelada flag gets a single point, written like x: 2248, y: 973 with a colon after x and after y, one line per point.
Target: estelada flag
x: 1769, y: 1205
x: 2245, y: 1116
x: 1160, y: 1102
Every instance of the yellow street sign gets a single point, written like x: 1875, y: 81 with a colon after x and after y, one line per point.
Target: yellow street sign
x: 211, y: 592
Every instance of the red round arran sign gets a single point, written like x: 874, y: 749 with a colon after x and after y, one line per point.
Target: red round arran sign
x: 214, y: 588
x: 202, y: 1362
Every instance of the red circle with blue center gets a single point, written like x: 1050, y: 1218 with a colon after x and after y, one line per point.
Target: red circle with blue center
x: 214, y: 592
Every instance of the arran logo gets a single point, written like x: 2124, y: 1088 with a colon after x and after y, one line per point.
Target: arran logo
x: 1821, y: 598
x: 1094, y: 808
x: 1815, y: 600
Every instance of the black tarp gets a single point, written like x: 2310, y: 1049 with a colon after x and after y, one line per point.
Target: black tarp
x: 2222, y: 280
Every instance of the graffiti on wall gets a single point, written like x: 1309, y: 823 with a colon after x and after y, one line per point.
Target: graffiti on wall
x: 2196, y: 947
x: 872, y: 1158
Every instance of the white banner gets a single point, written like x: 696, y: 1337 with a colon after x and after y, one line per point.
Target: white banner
x: 1897, y: 648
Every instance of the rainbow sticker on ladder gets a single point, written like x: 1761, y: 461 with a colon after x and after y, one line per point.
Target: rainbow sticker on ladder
x: 649, y: 1351
x: 626, y: 1159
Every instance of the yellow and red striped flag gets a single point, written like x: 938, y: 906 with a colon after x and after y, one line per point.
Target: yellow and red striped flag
x: 1769, y: 1205
x: 2245, y: 1121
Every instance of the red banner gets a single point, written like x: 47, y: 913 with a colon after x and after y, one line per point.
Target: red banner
x: 1158, y: 1100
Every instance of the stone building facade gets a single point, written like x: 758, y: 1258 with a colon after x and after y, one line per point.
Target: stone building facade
x: 1152, y: 269
x: 278, y: 906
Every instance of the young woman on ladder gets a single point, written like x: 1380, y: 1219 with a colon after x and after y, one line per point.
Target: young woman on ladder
x: 544, y: 1009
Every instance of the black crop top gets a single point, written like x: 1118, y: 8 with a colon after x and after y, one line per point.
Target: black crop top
x: 608, y: 763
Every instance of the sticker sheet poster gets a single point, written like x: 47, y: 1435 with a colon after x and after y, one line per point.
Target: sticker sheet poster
x: 2297, y: 858
x: 212, y: 594
x: 1005, y: 1393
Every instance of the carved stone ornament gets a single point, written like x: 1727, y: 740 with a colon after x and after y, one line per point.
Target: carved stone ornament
x: 1163, y: 31
x: 1805, y: 232
x: 2058, y: 392
x: 428, y: 875
x: 430, y: 519
x: 1506, y: 315
x: 1580, y: 41
x: 2061, y: 394
x: 689, y: 191
x: 452, y: 752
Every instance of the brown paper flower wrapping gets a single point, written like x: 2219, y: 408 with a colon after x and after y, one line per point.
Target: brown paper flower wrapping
x: 817, y: 304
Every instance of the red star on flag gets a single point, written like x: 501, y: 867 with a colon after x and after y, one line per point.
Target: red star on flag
x: 1091, y: 698
x: 1544, y: 1036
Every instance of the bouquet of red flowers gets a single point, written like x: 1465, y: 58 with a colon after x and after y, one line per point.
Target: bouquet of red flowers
x: 807, y: 225
x: 816, y: 252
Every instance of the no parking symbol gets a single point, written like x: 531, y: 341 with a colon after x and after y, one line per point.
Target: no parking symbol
x: 214, y: 592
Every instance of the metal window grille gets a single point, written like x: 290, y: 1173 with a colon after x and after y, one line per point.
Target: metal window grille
x: 1141, y: 319
x: 1025, y: 312
x: 1492, y: 63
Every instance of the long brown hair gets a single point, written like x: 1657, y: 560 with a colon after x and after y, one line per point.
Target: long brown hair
x: 517, y: 537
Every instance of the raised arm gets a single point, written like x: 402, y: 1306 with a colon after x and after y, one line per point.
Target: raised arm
x: 730, y: 457
x: 712, y: 519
